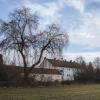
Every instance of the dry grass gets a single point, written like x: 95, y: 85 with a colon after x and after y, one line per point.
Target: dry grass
x: 75, y: 92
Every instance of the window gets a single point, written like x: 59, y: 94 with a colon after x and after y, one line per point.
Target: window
x: 49, y: 78
x: 68, y: 75
x: 68, y: 69
x: 61, y: 71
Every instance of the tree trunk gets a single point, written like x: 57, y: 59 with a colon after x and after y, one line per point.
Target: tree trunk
x: 26, y: 73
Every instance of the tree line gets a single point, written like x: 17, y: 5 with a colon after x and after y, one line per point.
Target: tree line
x: 90, y: 72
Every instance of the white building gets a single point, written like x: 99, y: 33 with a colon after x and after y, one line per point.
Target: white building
x: 67, y: 69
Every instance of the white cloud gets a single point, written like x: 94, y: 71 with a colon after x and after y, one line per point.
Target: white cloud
x: 48, y: 11
x: 87, y: 33
x: 87, y: 36
x: 89, y: 56
x: 76, y: 4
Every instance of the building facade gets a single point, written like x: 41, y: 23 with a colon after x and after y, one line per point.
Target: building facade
x: 67, y: 68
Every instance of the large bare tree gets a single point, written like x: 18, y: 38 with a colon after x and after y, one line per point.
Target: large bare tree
x: 22, y: 34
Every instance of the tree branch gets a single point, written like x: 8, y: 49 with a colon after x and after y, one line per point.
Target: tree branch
x: 42, y: 51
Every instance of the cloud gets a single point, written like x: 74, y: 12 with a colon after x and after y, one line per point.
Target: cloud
x: 76, y: 4
x: 89, y: 31
x: 88, y: 56
x: 49, y: 11
x: 86, y: 32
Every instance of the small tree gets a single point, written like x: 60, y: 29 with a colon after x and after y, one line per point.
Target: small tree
x: 80, y: 60
x: 97, y: 62
x: 87, y: 74
x: 21, y: 34
x: 90, y: 72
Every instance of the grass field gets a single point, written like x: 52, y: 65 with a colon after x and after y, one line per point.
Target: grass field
x: 74, y: 92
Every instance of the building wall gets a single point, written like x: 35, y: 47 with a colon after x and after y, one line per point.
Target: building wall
x: 46, y: 77
x: 67, y: 72
x: 45, y: 64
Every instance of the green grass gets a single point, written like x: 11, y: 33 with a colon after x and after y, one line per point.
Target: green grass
x: 74, y: 92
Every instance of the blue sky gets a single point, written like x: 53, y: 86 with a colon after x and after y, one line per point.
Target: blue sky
x: 79, y: 18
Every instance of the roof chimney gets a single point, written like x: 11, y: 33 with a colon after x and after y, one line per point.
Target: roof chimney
x: 62, y: 59
x: 1, y: 59
x: 71, y: 61
x: 54, y: 58
x: 65, y: 60
x: 44, y: 57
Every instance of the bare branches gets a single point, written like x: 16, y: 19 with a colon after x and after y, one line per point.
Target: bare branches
x: 21, y: 34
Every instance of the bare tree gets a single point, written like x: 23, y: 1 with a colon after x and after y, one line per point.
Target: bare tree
x: 81, y: 61
x: 97, y: 62
x: 21, y: 33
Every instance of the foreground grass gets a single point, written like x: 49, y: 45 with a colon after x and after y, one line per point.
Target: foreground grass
x: 79, y: 92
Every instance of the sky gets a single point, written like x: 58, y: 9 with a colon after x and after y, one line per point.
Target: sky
x: 79, y: 18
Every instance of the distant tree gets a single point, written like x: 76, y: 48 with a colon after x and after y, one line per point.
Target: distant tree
x: 97, y: 62
x: 97, y: 75
x: 87, y: 73
x: 90, y: 72
x: 21, y: 33
x: 90, y: 67
x: 80, y: 60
